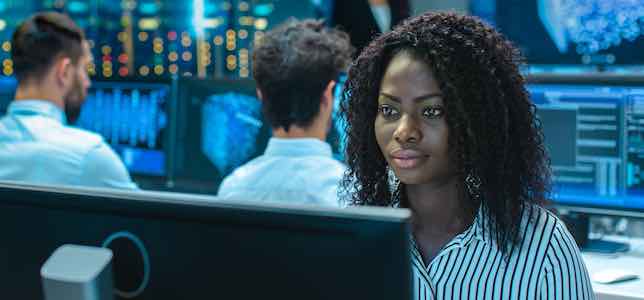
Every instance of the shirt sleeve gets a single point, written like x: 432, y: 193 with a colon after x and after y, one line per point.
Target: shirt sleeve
x: 103, y: 168
x: 565, y: 276
x: 224, y: 187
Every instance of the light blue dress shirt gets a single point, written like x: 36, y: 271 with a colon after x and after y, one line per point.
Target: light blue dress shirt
x: 37, y: 146
x: 290, y: 170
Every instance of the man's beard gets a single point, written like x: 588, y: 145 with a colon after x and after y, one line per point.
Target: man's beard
x: 74, y: 101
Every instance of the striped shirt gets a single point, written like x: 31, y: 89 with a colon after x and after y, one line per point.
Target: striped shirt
x: 545, y: 264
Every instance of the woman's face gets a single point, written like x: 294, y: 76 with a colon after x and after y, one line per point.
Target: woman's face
x: 411, y: 129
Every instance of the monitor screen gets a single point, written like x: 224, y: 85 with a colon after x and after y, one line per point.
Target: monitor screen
x: 337, y: 136
x: 219, y: 128
x: 157, y: 38
x: 570, y: 32
x: 174, y: 246
x: 132, y: 117
x: 7, y: 92
x: 594, y: 134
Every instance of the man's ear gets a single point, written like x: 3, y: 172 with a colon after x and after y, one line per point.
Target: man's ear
x: 63, y: 70
x: 327, y: 96
x: 259, y: 94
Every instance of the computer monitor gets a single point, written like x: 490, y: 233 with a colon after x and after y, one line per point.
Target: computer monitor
x: 594, y: 133
x: 595, y: 32
x: 337, y: 135
x: 7, y: 92
x: 133, y: 117
x: 219, y: 127
x: 176, y: 246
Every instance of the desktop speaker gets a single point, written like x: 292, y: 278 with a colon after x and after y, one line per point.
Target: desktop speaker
x: 76, y: 272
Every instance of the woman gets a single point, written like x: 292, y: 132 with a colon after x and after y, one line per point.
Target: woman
x: 439, y: 121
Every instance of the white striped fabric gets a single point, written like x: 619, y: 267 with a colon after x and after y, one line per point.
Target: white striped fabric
x: 546, y: 264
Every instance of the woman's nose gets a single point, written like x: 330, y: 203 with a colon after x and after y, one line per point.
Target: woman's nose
x: 408, y: 130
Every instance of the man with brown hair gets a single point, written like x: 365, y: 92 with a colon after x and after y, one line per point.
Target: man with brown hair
x: 295, y: 66
x: 51, y: 56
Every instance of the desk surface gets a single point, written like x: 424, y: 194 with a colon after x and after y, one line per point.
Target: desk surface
x: 631, y: 261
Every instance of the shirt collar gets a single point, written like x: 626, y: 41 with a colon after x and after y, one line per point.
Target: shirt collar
x: 481, y: 225
x: 298, y: 147
x: 37, y: 107
x: 475, y: 231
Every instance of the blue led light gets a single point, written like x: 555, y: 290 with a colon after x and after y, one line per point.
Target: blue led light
x: 211, y: 8
x: 77, y: 7
x: 263, y: 10
x: 198, y: 16
x: 149, y: 8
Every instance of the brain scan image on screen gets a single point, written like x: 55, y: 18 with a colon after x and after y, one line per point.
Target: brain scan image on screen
x: 231, y: 123
x: 590, y: 26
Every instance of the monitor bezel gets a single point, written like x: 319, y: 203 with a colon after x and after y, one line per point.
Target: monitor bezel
x: 180, y: 205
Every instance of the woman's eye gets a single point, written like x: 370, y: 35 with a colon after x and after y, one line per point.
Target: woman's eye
x: 433, y: 112
x: 388, y: 111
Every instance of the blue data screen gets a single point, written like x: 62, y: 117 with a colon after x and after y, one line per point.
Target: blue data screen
x: 595, y: 137
x: 132, y: 118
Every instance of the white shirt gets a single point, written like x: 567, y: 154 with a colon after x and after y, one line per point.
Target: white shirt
x: 36, y: 146
x: 382, y: 14
x: 290, y: 170
x: 546, y: 264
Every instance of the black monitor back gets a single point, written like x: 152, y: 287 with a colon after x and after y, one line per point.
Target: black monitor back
x: 175, y: 246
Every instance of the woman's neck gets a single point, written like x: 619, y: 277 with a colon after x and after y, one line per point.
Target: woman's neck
x: 437, y: 208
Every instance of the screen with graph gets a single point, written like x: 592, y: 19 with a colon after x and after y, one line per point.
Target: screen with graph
x: 132, y: 117
x: 598, y: 32
x: 594, y: 134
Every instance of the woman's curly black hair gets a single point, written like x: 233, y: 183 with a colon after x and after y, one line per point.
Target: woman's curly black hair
x: 493, y: 129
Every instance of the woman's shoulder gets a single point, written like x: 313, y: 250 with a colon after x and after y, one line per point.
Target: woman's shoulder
x: 539, y: 222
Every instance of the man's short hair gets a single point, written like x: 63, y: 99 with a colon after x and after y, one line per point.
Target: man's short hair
x: 40, y: 40
x: 293, y: 64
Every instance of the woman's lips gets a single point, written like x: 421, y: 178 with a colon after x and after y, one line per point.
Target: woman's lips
x: 407, y: 159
